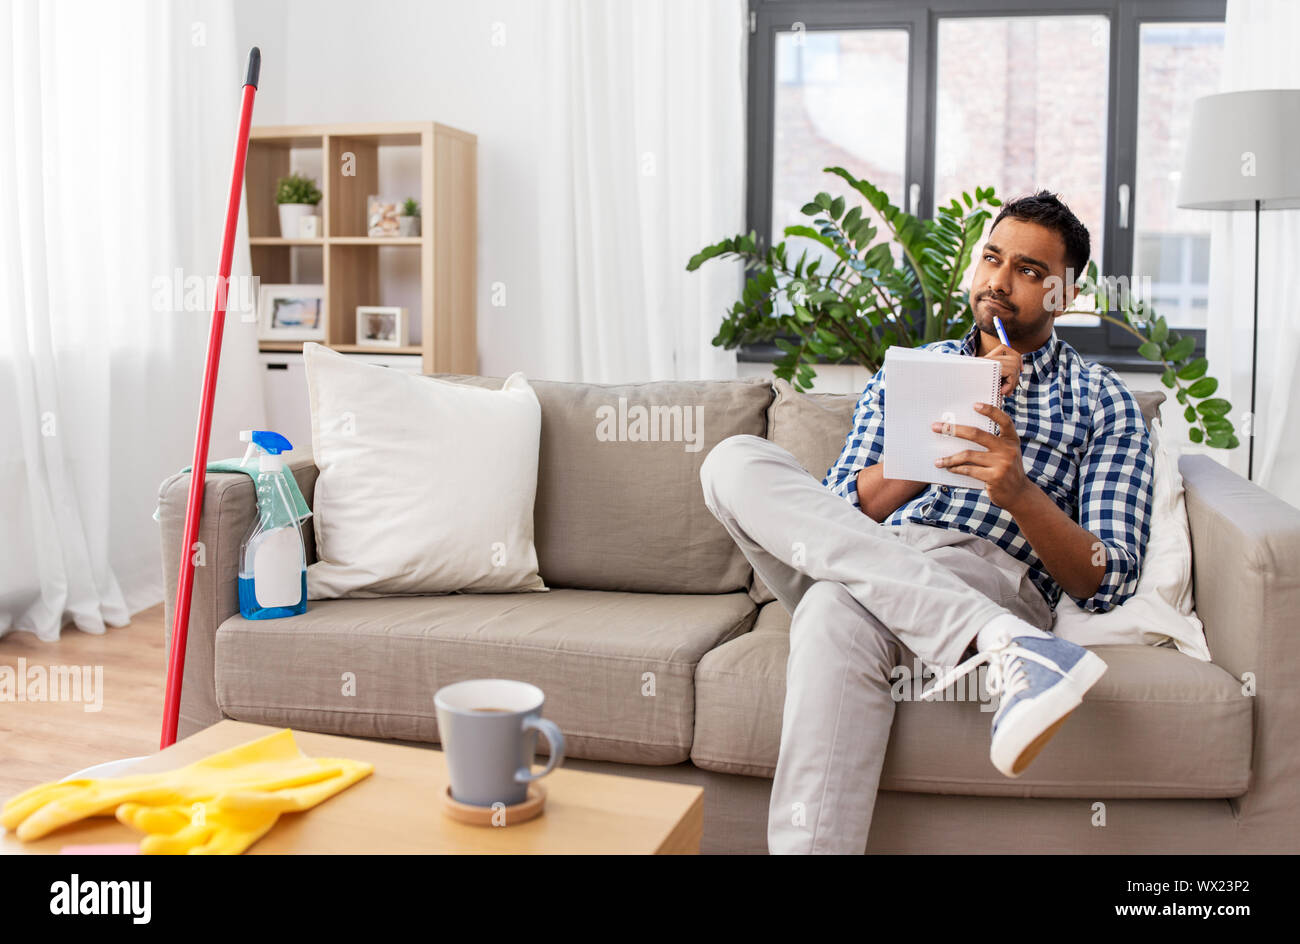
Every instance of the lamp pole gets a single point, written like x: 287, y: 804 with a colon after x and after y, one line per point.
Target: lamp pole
x: 1254, y: 351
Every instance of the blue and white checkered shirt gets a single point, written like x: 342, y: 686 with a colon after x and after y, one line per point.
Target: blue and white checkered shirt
x: 1083, y: 442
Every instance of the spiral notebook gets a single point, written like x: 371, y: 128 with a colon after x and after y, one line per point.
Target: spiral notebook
x: 922, y: 387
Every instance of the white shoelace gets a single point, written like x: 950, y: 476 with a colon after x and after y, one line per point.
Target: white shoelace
x: 1006, y: 675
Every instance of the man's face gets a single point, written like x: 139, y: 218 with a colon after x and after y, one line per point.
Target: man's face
x: 1018, y: 277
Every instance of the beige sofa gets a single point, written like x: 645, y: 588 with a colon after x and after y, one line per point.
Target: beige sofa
x: 661, y: 657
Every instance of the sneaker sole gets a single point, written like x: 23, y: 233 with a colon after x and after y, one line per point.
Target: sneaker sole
x: 1021, y: 737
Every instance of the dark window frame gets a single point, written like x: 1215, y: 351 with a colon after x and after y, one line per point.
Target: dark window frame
x: 1105, y: 343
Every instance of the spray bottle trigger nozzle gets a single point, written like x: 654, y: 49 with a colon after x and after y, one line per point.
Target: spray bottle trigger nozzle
x: 270, y: 442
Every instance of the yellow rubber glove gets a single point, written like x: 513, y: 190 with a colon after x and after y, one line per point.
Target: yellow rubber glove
x: 230, y: 823
x: 272, y: 762
x: 201, y: 829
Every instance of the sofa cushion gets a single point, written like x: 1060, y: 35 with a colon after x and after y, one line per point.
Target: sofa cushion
x: 425, y: 486
x: 618, y: 669
x: 1160, y: 611
x: 1158, y: 724
x: 812, y: 427
x: 619, y: 510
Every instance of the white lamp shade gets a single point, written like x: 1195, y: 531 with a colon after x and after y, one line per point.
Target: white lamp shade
x: 1243, y: 147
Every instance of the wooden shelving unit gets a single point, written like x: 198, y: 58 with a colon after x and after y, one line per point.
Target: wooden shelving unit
x: 350, y: 264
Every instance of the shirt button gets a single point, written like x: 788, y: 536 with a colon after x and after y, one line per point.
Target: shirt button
x: 943, y: 488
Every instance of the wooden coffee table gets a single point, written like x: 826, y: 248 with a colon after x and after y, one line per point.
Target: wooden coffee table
x: 397, y: 809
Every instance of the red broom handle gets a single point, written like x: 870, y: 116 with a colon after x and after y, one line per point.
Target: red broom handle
x: 194, y: 508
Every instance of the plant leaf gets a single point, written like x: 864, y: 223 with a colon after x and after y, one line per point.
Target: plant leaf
x: 1159, y: 330
x: 1216, y: 407
x: 1181, y: 349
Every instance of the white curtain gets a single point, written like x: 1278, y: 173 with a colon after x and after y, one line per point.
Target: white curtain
x: 1259, y: 53
x: 641, y: 152
x: 119, y: 126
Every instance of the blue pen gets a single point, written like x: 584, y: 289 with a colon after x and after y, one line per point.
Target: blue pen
x: 1002, y: 333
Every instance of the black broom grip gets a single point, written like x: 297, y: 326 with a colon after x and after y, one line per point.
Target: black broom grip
x: 254, y: 67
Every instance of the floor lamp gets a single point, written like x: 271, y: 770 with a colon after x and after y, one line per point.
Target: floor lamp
x: 1243, y: 153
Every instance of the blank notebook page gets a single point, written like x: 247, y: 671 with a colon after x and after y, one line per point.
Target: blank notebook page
x: 921, y: 387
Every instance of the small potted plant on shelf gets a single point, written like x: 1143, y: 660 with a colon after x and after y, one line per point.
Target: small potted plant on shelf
x: 408, y: 222
x: 297, y: 196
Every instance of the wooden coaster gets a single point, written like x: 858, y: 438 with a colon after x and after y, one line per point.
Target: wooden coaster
x: 530, y: 808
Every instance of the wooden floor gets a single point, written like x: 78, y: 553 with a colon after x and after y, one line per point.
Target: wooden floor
x: 44, y: 741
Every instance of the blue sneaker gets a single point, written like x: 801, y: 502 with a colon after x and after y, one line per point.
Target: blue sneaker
x: 1041, y: 682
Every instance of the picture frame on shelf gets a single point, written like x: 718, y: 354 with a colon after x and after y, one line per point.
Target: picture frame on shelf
x: 382, y: 216
x: 287, y: 312
x: 383, y: 326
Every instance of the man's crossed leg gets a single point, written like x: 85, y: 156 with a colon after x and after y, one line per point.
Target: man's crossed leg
x: 858, y: 592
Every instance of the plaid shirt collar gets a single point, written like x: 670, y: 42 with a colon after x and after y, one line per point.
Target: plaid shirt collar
x: 1041, y: 363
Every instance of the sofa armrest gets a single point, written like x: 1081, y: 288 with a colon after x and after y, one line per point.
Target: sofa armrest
x: 1246, y: 583
x: 229, y: 505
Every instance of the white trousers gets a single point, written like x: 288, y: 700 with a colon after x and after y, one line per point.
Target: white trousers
x: 864, y: 598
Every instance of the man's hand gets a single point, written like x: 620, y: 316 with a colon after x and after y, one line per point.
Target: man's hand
x: 1001, y: 468
x: 1012, y: 363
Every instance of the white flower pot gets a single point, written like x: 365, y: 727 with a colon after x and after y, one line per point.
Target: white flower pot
x: 408, y: 226
x: 289, y: 214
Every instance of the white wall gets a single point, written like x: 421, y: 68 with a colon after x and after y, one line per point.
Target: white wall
x: 264, y: 23
x: 470, y: 65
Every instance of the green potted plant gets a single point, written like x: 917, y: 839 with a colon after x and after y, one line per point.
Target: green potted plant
x: 297, y: 197
x: 408, y: 221
x: 853, y: 305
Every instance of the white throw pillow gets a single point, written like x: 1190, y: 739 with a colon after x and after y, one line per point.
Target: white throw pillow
x: 1160, y: 610
x: 426, y: 486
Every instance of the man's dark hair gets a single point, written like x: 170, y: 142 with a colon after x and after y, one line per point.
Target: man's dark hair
x: 1046, y: 209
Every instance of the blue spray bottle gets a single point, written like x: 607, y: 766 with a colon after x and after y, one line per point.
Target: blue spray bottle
x: 272, y: 560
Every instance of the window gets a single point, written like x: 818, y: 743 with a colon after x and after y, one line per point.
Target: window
x: 1177, y: 64
x: 822, y: 117
x: 926, y: 98
x: 999, y: 115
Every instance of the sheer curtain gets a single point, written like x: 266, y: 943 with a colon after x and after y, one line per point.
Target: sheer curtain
x: 1259, y: 40
x: 112, y: 193
x: 641, y: 152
